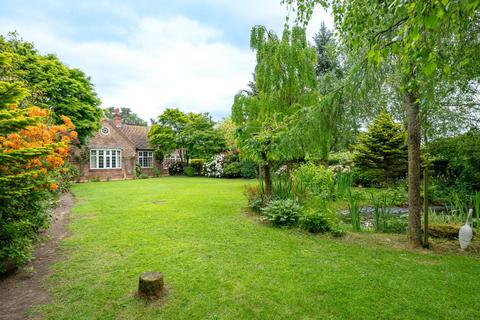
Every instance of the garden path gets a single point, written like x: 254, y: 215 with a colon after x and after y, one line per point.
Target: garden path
x: 22, y: 290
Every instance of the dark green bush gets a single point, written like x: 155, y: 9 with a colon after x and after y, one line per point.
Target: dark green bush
x: 189, y: 171
x: 456, y: 161
x: 282, y: 212
x: 248, y: 169
x: 197, y: 165
x: 232, y: 170
x: 175, y: 168
x: 20, y: 222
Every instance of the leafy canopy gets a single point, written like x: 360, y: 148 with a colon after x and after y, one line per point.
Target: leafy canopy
x: 193, y: 133
x: 273, y: 119
x: 51, y: 84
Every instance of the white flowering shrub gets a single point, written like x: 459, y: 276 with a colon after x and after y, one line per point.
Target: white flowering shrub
x: 282, y: 170
x: 214, y: 168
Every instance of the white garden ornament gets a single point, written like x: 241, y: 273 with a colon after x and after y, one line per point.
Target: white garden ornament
x: 466, y: 233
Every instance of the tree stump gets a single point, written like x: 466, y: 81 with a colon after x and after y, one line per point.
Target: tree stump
x: 150, y: 285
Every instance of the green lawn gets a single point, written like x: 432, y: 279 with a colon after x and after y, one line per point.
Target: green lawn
x: 220, y: 264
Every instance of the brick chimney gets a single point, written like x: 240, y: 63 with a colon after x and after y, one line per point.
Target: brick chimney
x: 117, y: 118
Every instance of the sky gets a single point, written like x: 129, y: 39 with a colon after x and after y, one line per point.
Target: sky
x: 152, y: 55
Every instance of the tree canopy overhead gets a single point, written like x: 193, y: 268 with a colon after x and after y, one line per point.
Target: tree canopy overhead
x: 51, y: 84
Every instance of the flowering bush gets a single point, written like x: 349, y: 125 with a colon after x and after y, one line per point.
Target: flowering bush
x: 175, y: 168
x: 214, y: 168
x: 32, y: 169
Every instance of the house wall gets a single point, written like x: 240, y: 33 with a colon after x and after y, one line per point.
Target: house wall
x: 114, y: 140
x: 156, y: 164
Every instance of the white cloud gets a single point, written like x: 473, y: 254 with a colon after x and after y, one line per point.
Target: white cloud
x: 172, y: 62
x: 175, y: 62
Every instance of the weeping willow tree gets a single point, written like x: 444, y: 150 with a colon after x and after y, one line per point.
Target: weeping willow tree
x: 284, y: 118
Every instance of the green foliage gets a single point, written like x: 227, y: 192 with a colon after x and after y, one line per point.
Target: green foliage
x: 353, y: 200
x: 248, y: 169
x: 227, y: 127
x: 32, y: 170
x: 254, y: 197
x: 138, y: 170
x: 194, y: 134
x: 232, y: 170
x: 476, y: 205
x: 284, y: 188
x: 197, y: 165
x: 19, y: 225
x: 156, y: 172
x: 189, y: 171
x: 51, y: 84
x: 317, y: 216
x: 456, y: 161
x: 65, y: 177
x: 426, y: 52
x: 272, y: 119
x: 382, y: 213
x: 343, y: 184
x: 282, y: 212
x: 128, y: 117
x: 315, y: 179
x: 381, y: 155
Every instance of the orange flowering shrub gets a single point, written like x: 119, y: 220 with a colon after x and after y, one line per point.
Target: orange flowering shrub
x: 33, y: 153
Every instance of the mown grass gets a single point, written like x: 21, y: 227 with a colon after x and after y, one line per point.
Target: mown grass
x: 219, y: 264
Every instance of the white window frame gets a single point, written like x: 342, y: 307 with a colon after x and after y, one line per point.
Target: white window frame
x: 172, y: 158
x: 145, y: 159
x: 101, y: 159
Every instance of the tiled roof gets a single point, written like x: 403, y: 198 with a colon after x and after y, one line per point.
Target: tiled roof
x: 137, y: 134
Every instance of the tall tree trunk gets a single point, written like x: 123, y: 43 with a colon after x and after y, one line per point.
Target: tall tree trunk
x: 267, y: 178
x: 414, y: 139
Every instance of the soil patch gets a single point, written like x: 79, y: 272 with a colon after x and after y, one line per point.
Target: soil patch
x: 21, y: 290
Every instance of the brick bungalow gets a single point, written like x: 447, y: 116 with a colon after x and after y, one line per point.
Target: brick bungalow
x: 113, y: 152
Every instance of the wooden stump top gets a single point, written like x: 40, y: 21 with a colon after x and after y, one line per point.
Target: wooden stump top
x: 150, y: 285
x: 151, y: 276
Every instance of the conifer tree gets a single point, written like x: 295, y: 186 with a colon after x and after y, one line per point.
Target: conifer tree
x: 382, y: 154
